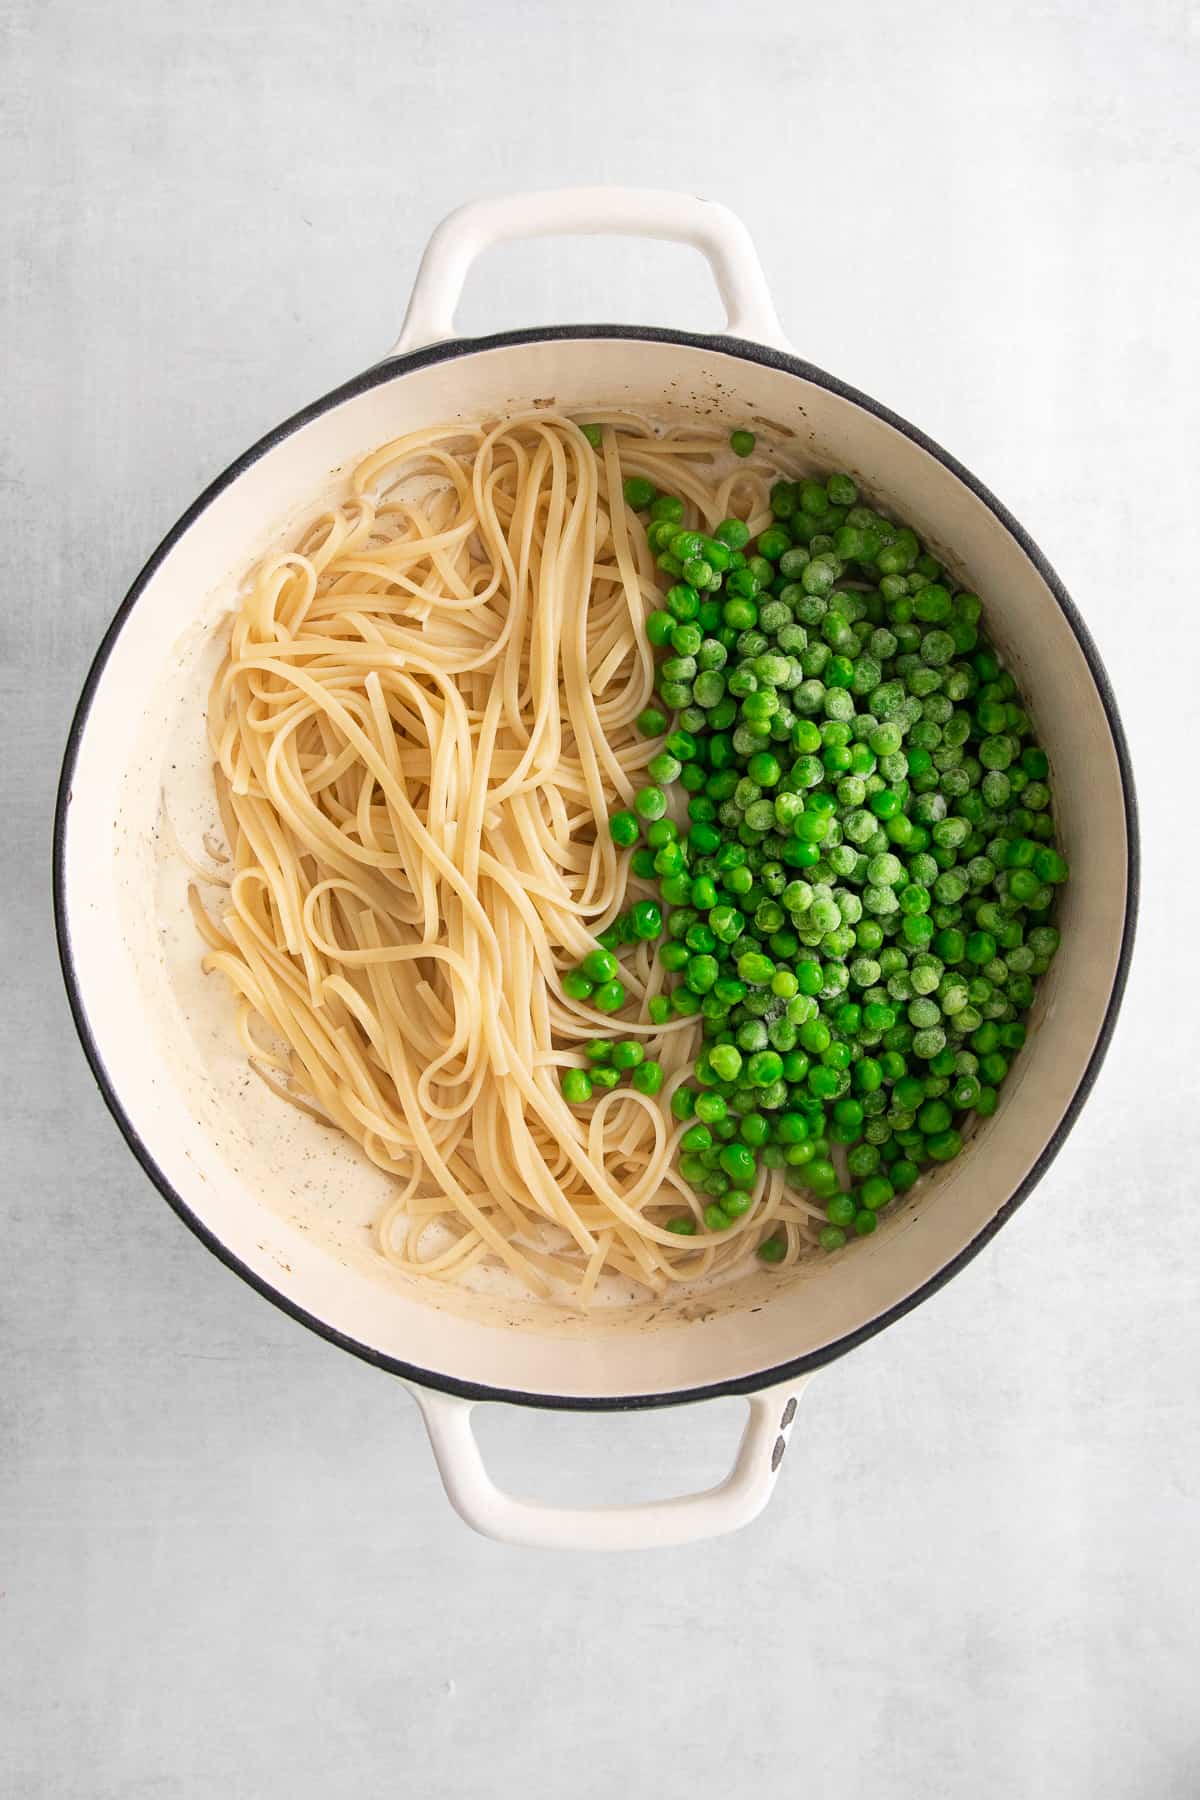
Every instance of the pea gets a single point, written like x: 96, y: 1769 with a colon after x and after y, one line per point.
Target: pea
x: 840, y: 1210
x: 647, y: 920
x: 710, y: 1108
x: 861, y: 908
x: 639, y: 493
x: 648, y: 1076
x: 650, y: 803
x: 576, y: 1086
x: 600, y: 965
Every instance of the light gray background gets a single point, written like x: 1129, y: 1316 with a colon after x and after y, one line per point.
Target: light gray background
x: 228, y: 1569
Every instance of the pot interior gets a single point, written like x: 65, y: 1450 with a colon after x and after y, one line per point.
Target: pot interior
x: 291, y: 1200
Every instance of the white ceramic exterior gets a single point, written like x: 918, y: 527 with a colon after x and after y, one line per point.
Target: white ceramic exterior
x: 288, y: 1203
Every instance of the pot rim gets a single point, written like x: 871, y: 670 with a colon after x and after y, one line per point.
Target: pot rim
x: 388, y: 370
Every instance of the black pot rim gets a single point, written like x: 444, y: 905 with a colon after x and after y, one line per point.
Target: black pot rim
x: 391, y: 370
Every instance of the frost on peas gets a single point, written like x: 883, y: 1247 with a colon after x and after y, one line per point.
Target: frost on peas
x: 937, y: 647
x: 894, y: 689
x: 859, y: 826
x: 849, y: 905
x: 825, y: 914
x: 867, y: 675
x: 886, y: 700
x: 809, y: 696
x: 864, y: 971
x: 929, y: 809
x: 925, y: 974
x: 808, y: 608
x: 951, y: 833
x: 914, y: 900
x: 956, y: 781
x: 997, y: 752
x: 885, y: 870
x: 819, y: 574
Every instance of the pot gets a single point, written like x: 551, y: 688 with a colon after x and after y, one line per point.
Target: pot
x: 285, y: 1202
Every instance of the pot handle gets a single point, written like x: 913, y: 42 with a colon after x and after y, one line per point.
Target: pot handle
x: 463, y: 235
x: 650, y: 1524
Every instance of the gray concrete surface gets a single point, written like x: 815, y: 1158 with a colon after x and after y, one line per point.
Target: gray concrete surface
x: 227, y: 1567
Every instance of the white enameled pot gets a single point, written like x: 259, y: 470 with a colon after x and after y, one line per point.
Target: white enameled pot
x: 287, y: 1203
